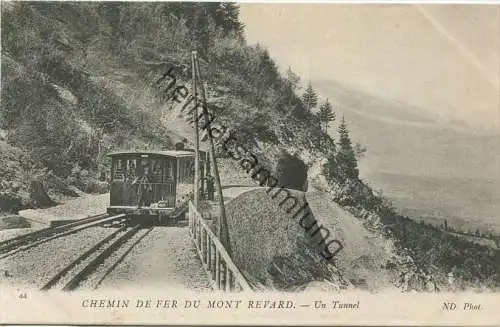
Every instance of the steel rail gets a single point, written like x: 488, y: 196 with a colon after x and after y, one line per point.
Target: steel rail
x: 91, y: 266
x: 54, y: 280
x: 120, y: 259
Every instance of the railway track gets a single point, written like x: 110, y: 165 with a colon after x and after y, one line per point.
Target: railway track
x: 27, y: 241
x: 93, y: 266
x: 45, y: 230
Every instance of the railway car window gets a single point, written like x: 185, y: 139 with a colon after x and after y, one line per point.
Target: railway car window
x: 143, y: 163
x: 168, y: 171
x: 119, y: 170
x: 131, y: 170
x: 157, y: 172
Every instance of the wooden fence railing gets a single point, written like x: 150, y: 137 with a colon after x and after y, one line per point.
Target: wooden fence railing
x: 218, y: 264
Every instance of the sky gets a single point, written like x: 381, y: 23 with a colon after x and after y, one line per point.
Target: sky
x: 442, y: 58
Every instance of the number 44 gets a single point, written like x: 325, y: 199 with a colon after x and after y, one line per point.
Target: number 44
x: 23, y: 295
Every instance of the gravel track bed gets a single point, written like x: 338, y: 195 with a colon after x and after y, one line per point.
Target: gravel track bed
x: 78, y: 208
x: 165, y: 258
x: 110, y: 263
x: 36, y: 266
x: 82, y: 264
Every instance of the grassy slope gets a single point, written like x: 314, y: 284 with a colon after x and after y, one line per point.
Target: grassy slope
x: 65, y: 101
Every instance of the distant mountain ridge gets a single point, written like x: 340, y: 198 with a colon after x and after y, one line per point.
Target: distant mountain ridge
x: 415, y: 141
x: 429, y: 168
x: 391, y: 111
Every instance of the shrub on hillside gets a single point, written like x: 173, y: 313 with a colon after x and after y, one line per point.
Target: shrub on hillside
x: 10, y: 201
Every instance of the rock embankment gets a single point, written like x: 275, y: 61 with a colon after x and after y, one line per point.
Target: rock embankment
x: 271, y: 248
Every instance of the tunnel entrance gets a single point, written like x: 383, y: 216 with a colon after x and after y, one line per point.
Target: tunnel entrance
x: 291, y: 171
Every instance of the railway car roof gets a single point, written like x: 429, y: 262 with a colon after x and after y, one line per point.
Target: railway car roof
x: 168, y: 153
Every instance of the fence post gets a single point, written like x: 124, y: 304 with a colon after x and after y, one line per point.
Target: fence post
x: 217, y: 269
x: 216, y: 260
x: 227, y: 287
x: 209, y: 254
x: 202, y: 249
x: 213, y: 249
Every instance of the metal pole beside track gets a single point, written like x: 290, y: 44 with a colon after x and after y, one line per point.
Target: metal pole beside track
x: 196, y: 132
x: 224, y: 232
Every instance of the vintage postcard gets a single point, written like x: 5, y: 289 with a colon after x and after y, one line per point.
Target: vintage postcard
x: 216, y: 163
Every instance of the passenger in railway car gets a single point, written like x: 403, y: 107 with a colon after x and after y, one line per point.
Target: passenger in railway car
x: 131, y: 172
x: 157, y: 172
x: 169, y: 171
x: 144, y: 189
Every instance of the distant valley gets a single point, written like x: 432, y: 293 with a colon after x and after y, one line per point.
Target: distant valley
x: 430, y: 168
x: 467, y: 204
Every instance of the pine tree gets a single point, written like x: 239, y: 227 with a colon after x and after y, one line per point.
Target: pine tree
x: 346, y: 157
x: 330, y: 169
x: 310, y: 98
x: 204, y: 18
x: 292, y: 78
x: 226, y: 16
x: 326, y: 113
x: 230, y: 18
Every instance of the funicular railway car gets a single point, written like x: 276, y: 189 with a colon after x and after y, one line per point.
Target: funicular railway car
x: 151, y: 183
